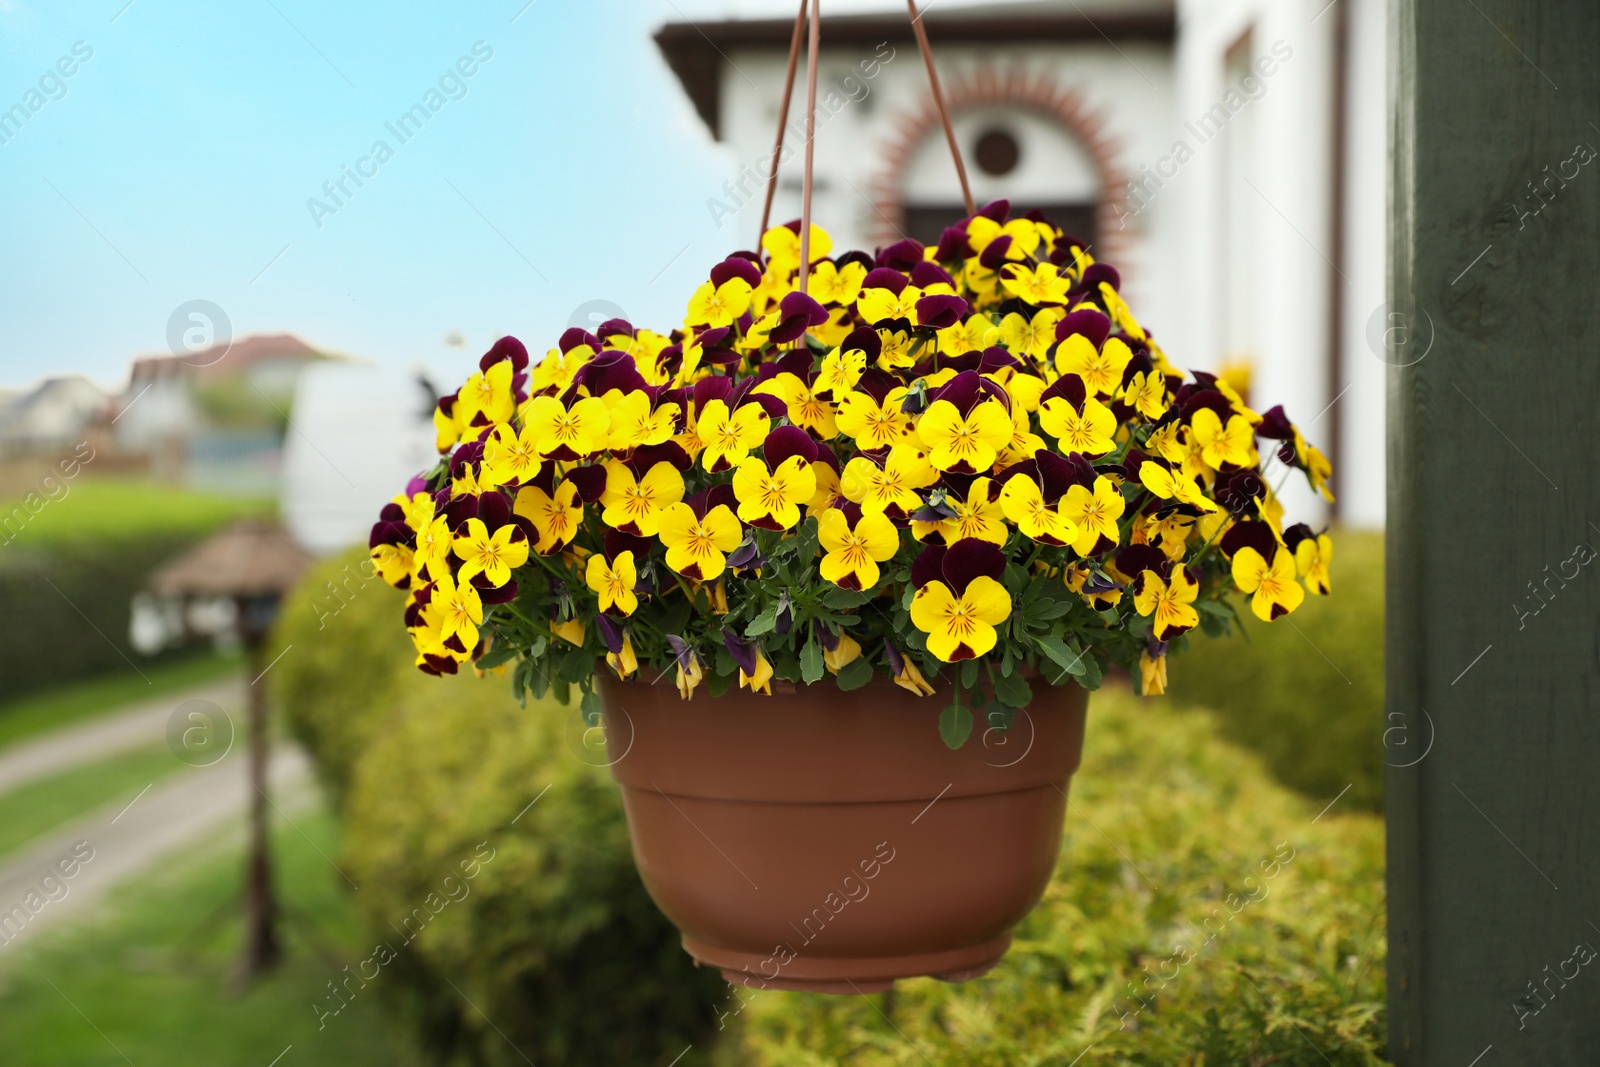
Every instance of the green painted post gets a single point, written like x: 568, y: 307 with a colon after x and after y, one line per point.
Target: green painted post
x: 1494, y: 524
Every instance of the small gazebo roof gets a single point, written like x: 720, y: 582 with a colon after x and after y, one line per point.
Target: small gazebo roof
x: 251, y: 558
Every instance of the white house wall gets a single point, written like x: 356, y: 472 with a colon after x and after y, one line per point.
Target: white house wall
x: 1361, y: 411
x: 1148, y: 98
x: 1130, y: 92
x: 1291, y: 175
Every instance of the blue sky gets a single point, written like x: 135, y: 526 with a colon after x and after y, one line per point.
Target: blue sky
x: 177, y: 162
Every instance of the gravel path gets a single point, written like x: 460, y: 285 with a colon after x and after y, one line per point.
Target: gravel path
x: 68, y: 870
x: 141, y: 724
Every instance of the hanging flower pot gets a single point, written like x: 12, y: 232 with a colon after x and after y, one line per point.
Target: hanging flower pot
x: 828, y: 840
x: 838, y: 559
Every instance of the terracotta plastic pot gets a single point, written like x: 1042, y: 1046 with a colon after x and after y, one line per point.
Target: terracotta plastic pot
x: 829, y: 841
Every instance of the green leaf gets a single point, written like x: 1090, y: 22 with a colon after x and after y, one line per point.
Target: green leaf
x: 1091, y: 674
x: 1063, y: 656
x: 717, y: 684
x: 969, y: 674
x: 1013, y: 691
x: 590, y: 706
x: 806, y: 541
x: 840, y: 599
x: 495, y: 658
x: 763, y: 623
x: 811, y: 667
x: 955, y: 725
x: 1045, y: 610
x: 856, y: 673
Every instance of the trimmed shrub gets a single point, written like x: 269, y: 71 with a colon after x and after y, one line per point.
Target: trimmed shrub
x: 351, y: 663
x: 1306, y: 692
x: 1198, y: 916
x: 96, y: 543
x: 67, y: 608
x: 550, y: 949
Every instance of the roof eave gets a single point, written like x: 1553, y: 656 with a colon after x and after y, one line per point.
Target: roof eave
x: 696, y: 51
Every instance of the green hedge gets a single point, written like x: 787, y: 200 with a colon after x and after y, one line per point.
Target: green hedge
x: 67, y: 608
x: 1166, y: 826
x: 553, y: 950
x: 71, y: 563
x: 1306, y: 692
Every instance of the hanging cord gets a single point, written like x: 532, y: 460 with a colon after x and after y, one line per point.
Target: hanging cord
x: 783, y: 122
x: 938, y: 100
x: 813, y: 36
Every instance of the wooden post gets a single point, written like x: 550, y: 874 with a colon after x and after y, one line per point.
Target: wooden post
x: 262, y: 950
x: 1494, y: 520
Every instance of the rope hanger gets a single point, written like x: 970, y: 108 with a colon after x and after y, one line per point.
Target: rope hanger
x: 813, y: 27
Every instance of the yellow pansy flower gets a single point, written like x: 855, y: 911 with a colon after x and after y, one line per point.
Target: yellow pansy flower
x: 1090, y: 432
x: 839, y: 373
x: 510, y: 457
x: 1312, y: 558
x: 494, y: 555
x: 1043, y: 284
x: 961, y: 627
x: 697, y: 547
x: 570, y: 432
x: 718, y: 305
x: 729, y: 436
x: 806, y: 410
x: 967, y: 443
x: 1023, y: 503
x: 634, y: 423
x: 874, y: 425
x: 1095, y: 514
x: 852, y: 555
x: 772, y: 499
x: 1275, y: 590
x: 1171, y: 602
x: 895, y: 484
x: 556, y: 518
x: 1219, y: 444
x: 613, y: 582
x: 486, y: 399
x: 635, y: 506
x: 827, y: 284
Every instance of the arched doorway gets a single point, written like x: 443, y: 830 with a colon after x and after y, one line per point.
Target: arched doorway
x: 1024, y: 138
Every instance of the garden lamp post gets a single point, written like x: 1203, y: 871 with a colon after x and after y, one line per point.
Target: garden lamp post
x: 251, y: 564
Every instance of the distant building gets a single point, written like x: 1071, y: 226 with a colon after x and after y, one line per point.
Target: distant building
x: 216, y: 419
x: 52, y: 416
x: 1227, y: 156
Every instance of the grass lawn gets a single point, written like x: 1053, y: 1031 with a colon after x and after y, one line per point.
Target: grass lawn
x: 74, y: 701
x: 121, y: 507
x: 40, y: 806
x: 147, y: 981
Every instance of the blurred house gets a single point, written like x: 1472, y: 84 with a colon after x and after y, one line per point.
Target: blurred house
x: 216, y: 419
x: 1227, y: 156
x: 51, y: 416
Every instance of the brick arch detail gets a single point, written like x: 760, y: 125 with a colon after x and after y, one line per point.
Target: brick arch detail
x: 1040, y: 93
